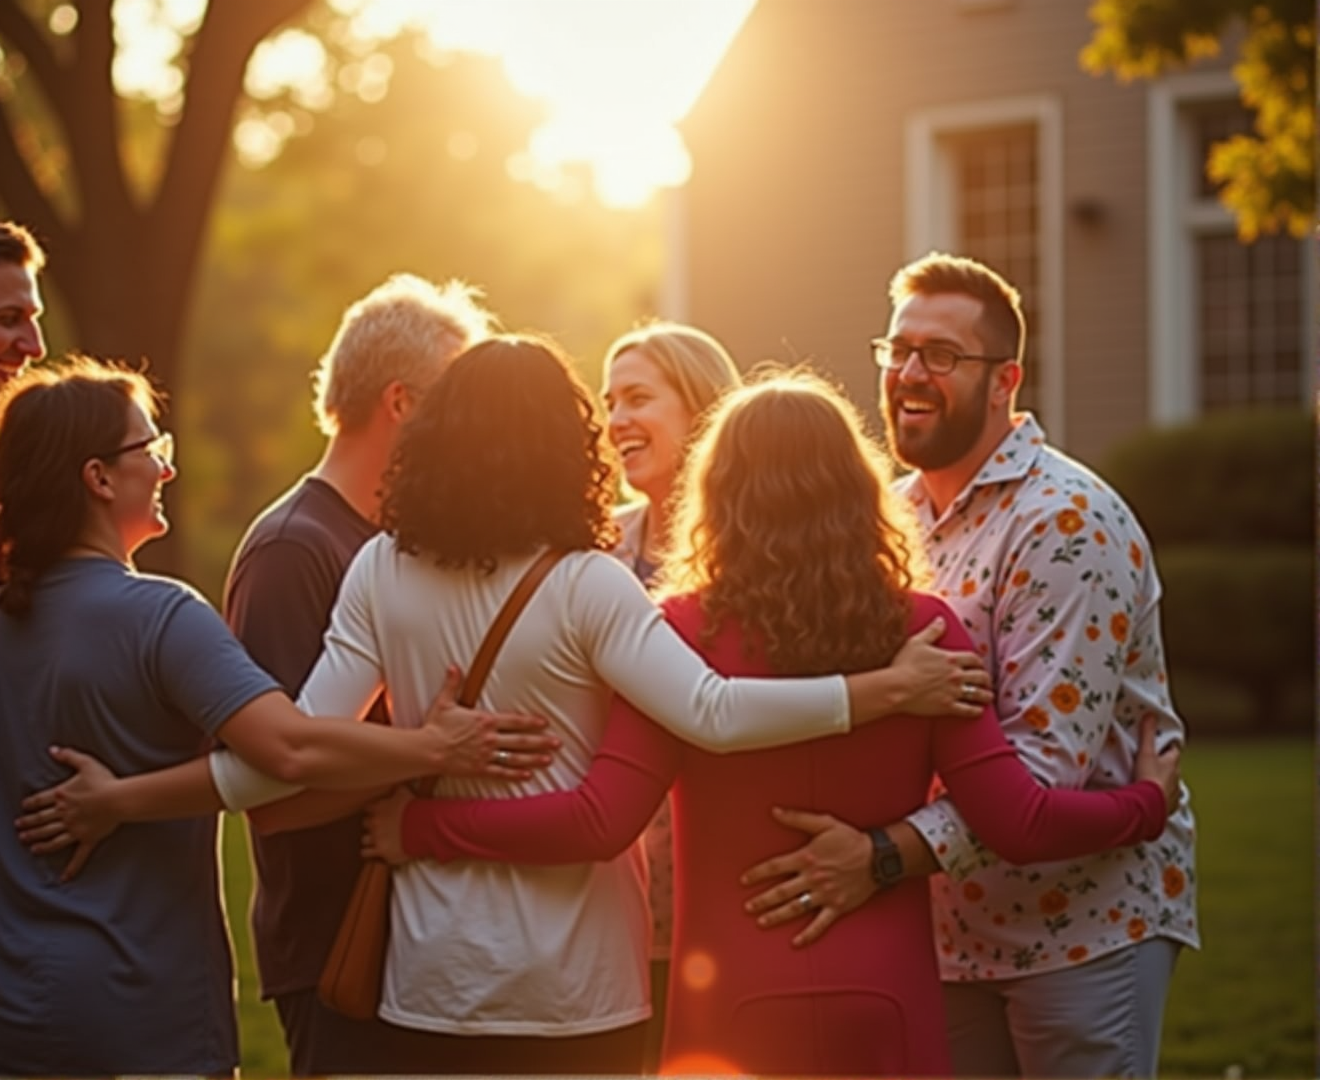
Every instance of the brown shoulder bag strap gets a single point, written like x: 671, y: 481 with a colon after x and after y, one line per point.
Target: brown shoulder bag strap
x: 504, y: 620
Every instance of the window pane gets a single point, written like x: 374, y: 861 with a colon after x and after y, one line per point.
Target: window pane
x: 999, y: 219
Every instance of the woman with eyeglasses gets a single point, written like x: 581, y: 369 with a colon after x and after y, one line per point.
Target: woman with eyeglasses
x: 125, y: 967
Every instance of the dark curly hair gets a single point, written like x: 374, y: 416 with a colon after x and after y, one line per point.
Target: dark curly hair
x: 505, y: 453
x: 783, y: 524
x: 53, y: 418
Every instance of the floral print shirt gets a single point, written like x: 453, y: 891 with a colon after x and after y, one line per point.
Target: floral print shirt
x: 1052, y: 576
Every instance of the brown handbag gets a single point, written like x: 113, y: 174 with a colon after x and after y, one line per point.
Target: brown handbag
x: 355, y: 969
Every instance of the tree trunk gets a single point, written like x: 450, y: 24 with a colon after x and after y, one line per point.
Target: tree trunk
x: 125, y: 268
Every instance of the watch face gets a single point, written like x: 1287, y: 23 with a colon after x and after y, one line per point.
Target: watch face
x: 886, y: 861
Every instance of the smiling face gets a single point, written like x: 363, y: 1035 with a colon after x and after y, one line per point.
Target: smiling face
x: 649, y: 424
x: 938, y: 422
x: 139, y: 477
x: 20, y: 310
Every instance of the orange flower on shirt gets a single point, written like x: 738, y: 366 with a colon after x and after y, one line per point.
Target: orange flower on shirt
x: 1174, y: 882
x: 1078, y: 953
x: 1136, y: 928
x: 1079, y: 501
x: 1069, y: 522
x: 973, y: 891
x: 1053, y: 901
x: 1134, y: 554
x: 1118, y: 626
x: 1036, y: 718
x: 1020, y: 578
x: 968, y: 586
x: 1065, y: 697
x: 1092, y: 632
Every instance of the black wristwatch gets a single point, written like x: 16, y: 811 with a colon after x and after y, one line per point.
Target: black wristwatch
x: 886, y: 860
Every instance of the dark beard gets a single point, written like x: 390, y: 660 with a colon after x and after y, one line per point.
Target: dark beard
x: 956, y: 432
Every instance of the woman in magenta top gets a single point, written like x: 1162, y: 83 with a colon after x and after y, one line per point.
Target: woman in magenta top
x: 788, y: 561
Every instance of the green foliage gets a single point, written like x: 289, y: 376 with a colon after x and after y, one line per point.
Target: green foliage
x: 1229, y: 504
x: 1235, y: 477
x: 1268, y: 179
x: 1246, y: 1001
x: 1246, y: 617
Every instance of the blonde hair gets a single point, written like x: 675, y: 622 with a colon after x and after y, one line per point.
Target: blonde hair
x: 402, y: 330
x: 785, y: 524
x: 693, y: 362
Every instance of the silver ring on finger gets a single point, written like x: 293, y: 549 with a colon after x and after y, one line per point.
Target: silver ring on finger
x: 804, y: 901
x: 502, y: 757
x: 968, y: 691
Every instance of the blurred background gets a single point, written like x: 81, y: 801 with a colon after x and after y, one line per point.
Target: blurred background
x: 215, y: 183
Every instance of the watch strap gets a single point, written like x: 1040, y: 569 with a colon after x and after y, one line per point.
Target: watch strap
x: 886, y: 860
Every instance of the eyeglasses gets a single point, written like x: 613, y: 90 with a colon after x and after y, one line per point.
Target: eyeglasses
x: 891, y: 354
x: 161, y: 447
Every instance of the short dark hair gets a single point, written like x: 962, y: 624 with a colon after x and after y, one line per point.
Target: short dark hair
x: 505, y: 453
x: 52, y: 419
x: 17, y: 245
x: 1003, y: 327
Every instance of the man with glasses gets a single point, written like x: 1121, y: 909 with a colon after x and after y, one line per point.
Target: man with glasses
x: 21, y: 259
x: 1053, y: 970
x: 389, y: 347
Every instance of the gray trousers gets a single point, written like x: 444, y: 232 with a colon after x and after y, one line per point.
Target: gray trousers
x: 1098, y: 1019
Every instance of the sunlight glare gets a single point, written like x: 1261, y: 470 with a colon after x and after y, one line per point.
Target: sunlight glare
x: 292, y: 60
x: 617, y: 75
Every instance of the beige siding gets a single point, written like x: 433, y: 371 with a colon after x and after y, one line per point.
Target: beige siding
x: 795, y: 209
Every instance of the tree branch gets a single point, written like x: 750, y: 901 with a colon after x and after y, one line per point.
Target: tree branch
x: 23, y: 199
x: 29, y: 43
x: 217, y: 62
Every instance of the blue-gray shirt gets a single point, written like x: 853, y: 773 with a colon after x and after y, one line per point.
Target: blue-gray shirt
x: 125, y: 969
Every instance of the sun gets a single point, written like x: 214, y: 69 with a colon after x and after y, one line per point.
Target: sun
x: 616, y: 75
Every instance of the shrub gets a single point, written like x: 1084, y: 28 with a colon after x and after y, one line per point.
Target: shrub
x: 1230, y: 478
x: 1229, y: 504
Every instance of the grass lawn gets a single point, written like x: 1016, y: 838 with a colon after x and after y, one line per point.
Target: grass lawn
x: 1244, y: 1006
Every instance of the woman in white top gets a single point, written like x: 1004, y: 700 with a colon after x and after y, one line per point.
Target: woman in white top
x: 522, y: 969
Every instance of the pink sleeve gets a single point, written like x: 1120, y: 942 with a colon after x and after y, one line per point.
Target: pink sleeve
x: 1013, y: 813
x: 596, y: 821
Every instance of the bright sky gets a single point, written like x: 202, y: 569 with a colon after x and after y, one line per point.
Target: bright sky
x: 616, y: 75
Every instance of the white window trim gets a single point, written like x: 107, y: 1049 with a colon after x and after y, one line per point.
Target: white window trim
x: 1173, y: 343
x: 928, y: 225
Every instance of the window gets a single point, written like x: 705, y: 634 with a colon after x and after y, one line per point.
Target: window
x: 1230, y: 324
x: 997, y: 211
x: 984, y: 179
x: 1249, y: 319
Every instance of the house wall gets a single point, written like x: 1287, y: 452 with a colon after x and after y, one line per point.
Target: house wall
x: 796, y: 214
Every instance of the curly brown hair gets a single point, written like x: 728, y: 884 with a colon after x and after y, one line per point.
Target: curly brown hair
x: 53, y: 418
x: 784, y: 524
x: 504, y: 454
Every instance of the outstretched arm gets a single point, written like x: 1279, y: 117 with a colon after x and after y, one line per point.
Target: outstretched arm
x: 298, y: 749
x: 629, y: 775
